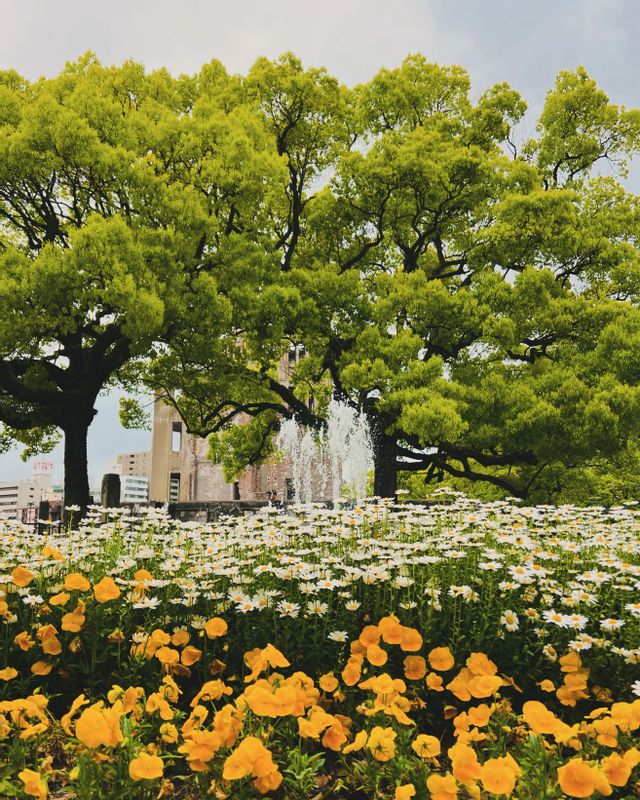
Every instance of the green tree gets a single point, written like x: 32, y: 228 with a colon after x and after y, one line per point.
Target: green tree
x: 115, y: 188
x: 478, y: 302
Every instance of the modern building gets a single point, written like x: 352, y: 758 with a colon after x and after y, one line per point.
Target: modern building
x: 133, y: 488
x: 19, y: 499
x: 135, y: 463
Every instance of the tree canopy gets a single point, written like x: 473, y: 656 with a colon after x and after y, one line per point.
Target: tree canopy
x: 112, y: 182
x: 474, y: 296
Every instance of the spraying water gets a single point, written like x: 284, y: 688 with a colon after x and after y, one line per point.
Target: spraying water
x: 340, y: 457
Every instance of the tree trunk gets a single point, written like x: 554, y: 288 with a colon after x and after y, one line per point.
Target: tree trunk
x: 76, y: 475
x: 385, y: 468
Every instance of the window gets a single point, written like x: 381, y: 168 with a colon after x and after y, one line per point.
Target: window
x: 174, y: 487
x: 176, y: 437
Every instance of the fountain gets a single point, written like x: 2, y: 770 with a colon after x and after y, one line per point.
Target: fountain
x: 339, y: 456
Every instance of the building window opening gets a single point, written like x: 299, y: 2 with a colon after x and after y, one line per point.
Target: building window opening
x: 176, y: 437
x: 174, y: 487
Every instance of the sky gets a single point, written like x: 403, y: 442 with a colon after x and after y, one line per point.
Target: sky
x: 523, y: 43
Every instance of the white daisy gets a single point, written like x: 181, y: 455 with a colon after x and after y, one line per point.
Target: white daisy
x: 510, y: 621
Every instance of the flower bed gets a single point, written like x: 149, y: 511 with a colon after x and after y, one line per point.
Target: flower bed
x: 462, y: 650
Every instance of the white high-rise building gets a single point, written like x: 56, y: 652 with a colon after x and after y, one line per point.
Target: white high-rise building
x: 133, y: 488
x: 19, y: 499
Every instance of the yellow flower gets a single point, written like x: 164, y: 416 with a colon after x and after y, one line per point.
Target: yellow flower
x: 358, y: 743
x: 480, y: 664
x: 335, y: 736
x: 169, y: 733
x: 65, y: 720
x: 464, y: 763
x: 60, y: 599
x: 632, y: 757
x: 51, y: 552
x: 498, y: 776
x: 539, y: 718
x: 370, y: 635
x: 180, y: 638
x: 352, y: 671
x: 479, y: 716
x: 328, y: 682
x: 571, y: 662
x: 106, y: 590
x: 22, y: 577
x: 211, y: 690
x: 51, y: 646
x: 146, y: 767
x: 434, y: 682
x: 578, y: 778
x: 274, y: 657
x: 376, y: 655
x: 607, y: 731
x: 41, y: 668
x: 98, y: 726
x: 442, y: 787
x: 441, y: 659
x: 410, y: 640
x: 616, y: 769
x: 215, y: 627
x: 426, y: 746
x: 415, y: 668
x: 227, y: 724
x: 190, y: 655
x: 481, y: 686
x: 167, y: 655
x: 200, y: 747
x: 626, y: 715
x: 8, y: 674
x: 156, y: 702
x: 405, y: 792
x: 251, y: 757
x: 390, y: 629
x: 74, y: 620
x: 381, y: 743
x: 143, y: 576
x: 33, y: 784
x: 76, y: 581
x: 24, y: 641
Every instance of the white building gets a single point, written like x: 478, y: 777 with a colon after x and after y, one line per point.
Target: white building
x: 19, y: 499
x: 133, y: 488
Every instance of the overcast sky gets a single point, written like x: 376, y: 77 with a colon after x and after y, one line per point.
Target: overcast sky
x: 524, y: 43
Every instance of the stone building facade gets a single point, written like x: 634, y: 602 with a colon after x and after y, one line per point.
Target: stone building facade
x: 182, y: 472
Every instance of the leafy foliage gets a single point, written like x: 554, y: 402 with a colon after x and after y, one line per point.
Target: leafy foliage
x: 477, y: 303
